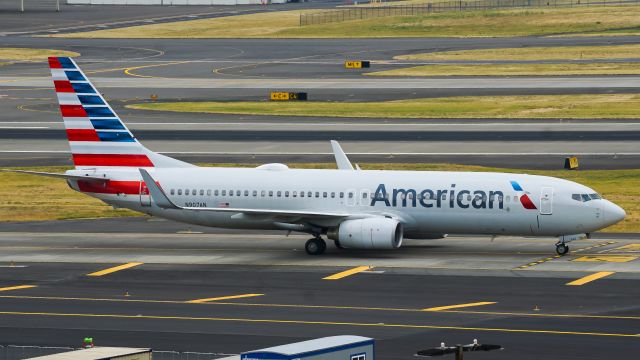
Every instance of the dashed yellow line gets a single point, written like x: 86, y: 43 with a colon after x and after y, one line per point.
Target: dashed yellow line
x: 346, y: 273
x: 606, y: 258
x: 200, y: 301
x: 449, y: 307
x: 17, y: 287
x: 590, y: 278
x: 542, y: 261
x: 311, y: 322
x: 115, y: 269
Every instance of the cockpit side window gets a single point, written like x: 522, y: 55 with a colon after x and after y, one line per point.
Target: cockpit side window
x: 595, y: 196
x: 576, y: 197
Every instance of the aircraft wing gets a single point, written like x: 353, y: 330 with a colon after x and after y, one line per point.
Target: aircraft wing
x: 163, y: 201
x: 58, y: 176
x: 341, y: 158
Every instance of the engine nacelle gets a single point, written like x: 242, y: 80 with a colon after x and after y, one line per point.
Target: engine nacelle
x: 369, y: 233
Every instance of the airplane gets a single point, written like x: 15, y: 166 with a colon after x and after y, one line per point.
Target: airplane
x: 357, y: 209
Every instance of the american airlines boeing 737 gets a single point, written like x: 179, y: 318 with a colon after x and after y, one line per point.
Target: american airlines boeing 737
x: 357, y: 209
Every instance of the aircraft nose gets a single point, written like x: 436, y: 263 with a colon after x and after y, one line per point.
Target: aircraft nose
x: 614, y: 213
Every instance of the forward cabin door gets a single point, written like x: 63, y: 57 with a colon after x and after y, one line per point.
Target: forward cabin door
x: 145, y: 199
x: 546, y: 201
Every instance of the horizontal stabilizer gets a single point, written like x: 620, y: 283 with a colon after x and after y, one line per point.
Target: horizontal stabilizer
x: 58, y: 176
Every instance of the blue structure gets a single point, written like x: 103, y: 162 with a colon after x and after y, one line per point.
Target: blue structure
x: 344, y: 347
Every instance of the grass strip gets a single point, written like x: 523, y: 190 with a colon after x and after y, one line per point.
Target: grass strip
x: 26, y: 54
x: 613, y: 68
x: 627, y: 51
x: 34, y: 198
x: 615, y: 20
x: 605, y: 106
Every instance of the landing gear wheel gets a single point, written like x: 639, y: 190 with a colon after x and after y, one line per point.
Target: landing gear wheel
x: 338, y: 245
x: 562, y: 249
x: 315, y: 246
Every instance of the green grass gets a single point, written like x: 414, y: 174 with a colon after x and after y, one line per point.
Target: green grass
x: 615, y: 20
x: 533, y: 106
x: 34, y: 198
x: 627, y: 51
x: 614, y: 68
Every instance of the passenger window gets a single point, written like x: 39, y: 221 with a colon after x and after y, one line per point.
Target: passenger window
x: 246, y: 193
x: 238, y: 192
x: 317, y: 194
x: 179, y: 191
x: 215, y: 192
x: 309, y: 194
x: 350, y: 195
x: 255, y: 193
x: 230, y: 192
x: 209, y: 192
x: 270, y: 192
x: 364, y: 195
x: 295, y: 194
x: 279, y: 193
x: 444, y: 196
x: 201, y: 192
x: 172, y: 191
x: 194, y: 192
x: 186, y: 192
x: 262, y: 193
x: 333, y: 195
x: 286, y: 194
x: 224, y: 192
x: 515, y: 198
x: 301, y: 193
x: 469, y: 198
x: 324, y: 194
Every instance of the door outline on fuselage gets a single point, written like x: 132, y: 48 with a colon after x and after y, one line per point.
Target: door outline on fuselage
x: 546, y: 201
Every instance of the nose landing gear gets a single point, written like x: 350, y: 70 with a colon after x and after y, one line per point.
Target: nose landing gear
x: 315, y: 246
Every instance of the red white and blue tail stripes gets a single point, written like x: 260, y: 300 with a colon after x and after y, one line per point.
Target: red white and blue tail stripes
x: 96, y: 134
x: 524, y: 198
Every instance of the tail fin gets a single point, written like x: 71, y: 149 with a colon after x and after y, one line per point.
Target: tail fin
x: 96, y: 135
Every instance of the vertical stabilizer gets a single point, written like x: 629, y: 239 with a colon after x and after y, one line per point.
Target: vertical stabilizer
x: 97, y: 137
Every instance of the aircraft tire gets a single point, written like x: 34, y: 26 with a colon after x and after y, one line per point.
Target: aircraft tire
x: 338, y: 245
x: 562, y: 249
x: 315, y: 246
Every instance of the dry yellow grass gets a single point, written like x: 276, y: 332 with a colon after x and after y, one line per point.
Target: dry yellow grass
x: 508, y: 107
x: 629, y: 51
x: 24, y: 54
x: 284, y: 24
x: 613, y: 68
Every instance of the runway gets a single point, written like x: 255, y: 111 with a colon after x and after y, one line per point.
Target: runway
x: 263, y: 290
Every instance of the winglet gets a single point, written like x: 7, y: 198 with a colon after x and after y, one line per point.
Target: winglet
x: 341, y: 158
x: 156, y: 192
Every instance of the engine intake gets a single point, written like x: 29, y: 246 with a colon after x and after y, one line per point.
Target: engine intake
x: 369, y: 233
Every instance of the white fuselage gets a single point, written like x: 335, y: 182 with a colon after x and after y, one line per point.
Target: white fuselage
x: 427, y: 203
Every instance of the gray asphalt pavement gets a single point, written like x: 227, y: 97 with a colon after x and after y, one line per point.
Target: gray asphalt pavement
x: 287, y: 299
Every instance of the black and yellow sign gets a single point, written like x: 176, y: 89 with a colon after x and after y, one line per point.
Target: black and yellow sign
x: 571, y: 163
x: 287, y: 96
x: 357, y: 64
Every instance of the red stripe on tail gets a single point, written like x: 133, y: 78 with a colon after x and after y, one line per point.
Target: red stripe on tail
x: 82, y: 135
x: 527, y: 203
x: 63, y: 86
x: 111, y: 160
x: 72, y: 111
x: 54, y: 63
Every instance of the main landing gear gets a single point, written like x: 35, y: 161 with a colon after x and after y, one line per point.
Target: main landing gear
x: 315, y: 246
x: 562, y: 248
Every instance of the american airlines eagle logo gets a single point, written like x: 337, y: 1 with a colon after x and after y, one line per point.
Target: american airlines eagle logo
x: 524, y: 198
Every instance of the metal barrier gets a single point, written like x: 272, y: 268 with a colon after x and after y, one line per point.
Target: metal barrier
x: 19, y: 352
x: 361, y: 13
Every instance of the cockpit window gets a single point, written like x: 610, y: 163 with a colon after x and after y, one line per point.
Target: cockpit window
x: 586, y: 197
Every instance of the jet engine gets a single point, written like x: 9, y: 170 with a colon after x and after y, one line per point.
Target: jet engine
x: 369, y: 233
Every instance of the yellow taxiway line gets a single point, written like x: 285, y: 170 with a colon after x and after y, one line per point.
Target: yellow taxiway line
x: 17, y: 287
x: 322, y: 307
x: 449, y: 307
x: 311, y: 322
x: 114, y: 269
x: 590, y: 278
x: 200, y: 301
x: 346, y: 273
